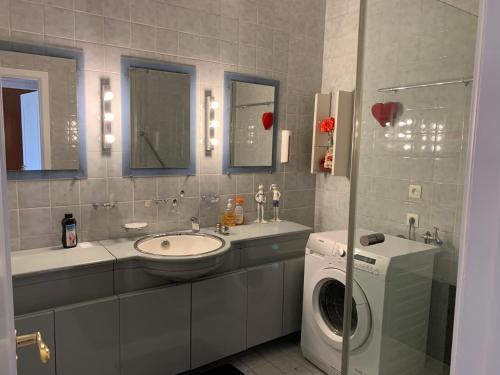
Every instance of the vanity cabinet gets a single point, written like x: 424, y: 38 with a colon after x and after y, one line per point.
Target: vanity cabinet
x: 265, y: 303
x: 87, y: 338
x: 293, y: 287
x: 155, y: 331
x: 218, y: 320
x: 114, y: 318
x: 29, y: 357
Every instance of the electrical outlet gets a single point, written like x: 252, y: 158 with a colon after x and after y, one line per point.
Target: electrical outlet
x: 147, y: 203
x: 415, y: 191
x: 415, y: 216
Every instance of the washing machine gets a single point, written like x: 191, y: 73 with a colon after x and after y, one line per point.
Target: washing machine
x: 390, y: 305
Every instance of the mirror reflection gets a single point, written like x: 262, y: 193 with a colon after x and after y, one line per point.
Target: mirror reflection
x: 39, y: 111
x: 252, y: 112
x: 160, y: 118
x: 251, y: 123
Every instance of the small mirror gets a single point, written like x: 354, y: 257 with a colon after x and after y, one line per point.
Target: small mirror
x: 251, y: 127
x: 39, y: 100
x: 158, y: 100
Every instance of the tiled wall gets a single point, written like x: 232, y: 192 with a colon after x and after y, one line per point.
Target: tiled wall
x: 339, y: 73
x: 427, y: 144
x: 282, y: 39
x: 432, y: 48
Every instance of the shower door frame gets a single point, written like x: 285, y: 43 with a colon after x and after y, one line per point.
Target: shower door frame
x: 476, y: 333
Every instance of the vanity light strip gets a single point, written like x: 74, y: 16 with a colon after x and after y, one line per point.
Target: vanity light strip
x: 107, y: 115
x: 210, y: 123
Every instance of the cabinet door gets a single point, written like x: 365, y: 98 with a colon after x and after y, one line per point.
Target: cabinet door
x: 29, y: 358
x: 155, y: 331
x: 218, y: 322
x: 87, y: 337
x: 292, y: 295
x: 265, y: 303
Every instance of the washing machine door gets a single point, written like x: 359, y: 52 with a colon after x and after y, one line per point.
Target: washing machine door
x: 328, y: 308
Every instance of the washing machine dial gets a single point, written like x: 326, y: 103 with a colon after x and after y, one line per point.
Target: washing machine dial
x: 341, y: 252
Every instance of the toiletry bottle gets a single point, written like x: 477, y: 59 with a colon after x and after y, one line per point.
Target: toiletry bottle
x: 229, y: 217
x: 238, y: 210
x: 69, y: 237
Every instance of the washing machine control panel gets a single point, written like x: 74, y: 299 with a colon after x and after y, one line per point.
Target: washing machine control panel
x: 366, y: 263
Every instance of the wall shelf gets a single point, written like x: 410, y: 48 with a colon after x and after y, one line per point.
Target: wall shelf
x: 340, y: 106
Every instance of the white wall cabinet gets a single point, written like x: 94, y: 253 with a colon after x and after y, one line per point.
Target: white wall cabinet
x: 339, y: 105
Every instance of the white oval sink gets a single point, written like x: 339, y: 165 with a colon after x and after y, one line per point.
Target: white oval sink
x: 179, y: 244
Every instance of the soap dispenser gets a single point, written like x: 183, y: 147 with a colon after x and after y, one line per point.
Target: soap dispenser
x: 229, y: 216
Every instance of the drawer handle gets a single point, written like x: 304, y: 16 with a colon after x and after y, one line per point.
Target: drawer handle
x: 23, y: 341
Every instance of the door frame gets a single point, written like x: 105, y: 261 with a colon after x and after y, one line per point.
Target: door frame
x: 476, y: 335
x: 44, y: 100
x: 7, y: 336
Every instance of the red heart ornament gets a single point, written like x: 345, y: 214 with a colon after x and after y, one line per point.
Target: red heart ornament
x: 267, y: 120
x: 384, y: 113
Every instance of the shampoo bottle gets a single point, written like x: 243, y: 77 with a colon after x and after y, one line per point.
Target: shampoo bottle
x: 69, y: 237
x: 238, y: 210
x: 229, y: 217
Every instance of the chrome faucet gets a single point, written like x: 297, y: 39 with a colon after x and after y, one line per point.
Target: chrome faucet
x: 433, y: 238
x: 195, y: 224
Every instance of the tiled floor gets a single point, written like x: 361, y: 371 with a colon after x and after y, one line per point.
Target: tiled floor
x: 278, y: 357
x: 283, y: 356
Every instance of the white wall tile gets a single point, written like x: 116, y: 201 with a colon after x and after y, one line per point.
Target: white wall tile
x: 89, y: 28
x: 25, y: 16
x: 59, y: 22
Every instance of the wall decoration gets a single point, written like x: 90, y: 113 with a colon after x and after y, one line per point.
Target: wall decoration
x: 328, y: 126
x: 267, y: 120
x: 332, y: 131
x: 385, y: 113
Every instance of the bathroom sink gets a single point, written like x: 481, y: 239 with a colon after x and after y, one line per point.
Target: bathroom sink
x: 181, y: 256
x: 179, y: 244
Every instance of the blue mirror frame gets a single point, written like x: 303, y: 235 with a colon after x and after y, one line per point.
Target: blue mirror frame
x: 229, y: 78
x: 66, y: 53
x: 132, y: 62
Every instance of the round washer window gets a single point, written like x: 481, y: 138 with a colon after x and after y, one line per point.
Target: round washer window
x: 331, y: 305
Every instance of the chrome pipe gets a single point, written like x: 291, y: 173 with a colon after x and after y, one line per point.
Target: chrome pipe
x: 465, y: 81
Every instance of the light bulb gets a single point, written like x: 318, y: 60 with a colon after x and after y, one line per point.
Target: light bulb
x: 108, y: 96
x: 214, y: 104
x: 108, y: 116
x: 214, y: 124
x: 109, y: 138
x: 214, y: 142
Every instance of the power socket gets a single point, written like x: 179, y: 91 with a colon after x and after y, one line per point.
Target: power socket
x: 415, y: 216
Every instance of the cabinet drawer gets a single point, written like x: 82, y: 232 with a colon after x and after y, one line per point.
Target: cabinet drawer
x: 219, y: 310
x: 272, y: 250
x: 29, y: 358
x: 87, y: 337
x: 155, y: 331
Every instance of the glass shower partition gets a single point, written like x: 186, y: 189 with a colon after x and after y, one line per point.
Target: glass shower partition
x: 413, y: 96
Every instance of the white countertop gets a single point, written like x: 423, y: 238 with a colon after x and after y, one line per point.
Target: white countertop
x: 49, y: 259
x: 123, y: 248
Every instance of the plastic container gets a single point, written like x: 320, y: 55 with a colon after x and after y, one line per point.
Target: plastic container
x: 239, y: 211
x: 229, y: 216
x: 69, y: 236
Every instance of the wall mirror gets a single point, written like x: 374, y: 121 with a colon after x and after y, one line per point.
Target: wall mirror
x: 40, y: 111
x: 159, y: 118
x: 251, y: 123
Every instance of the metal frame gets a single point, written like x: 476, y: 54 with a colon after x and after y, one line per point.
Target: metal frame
x: 355, y: 148
x: 229, y: 77
x: 466, y: 81
x: 133, y: 62
x: 66, y: 53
